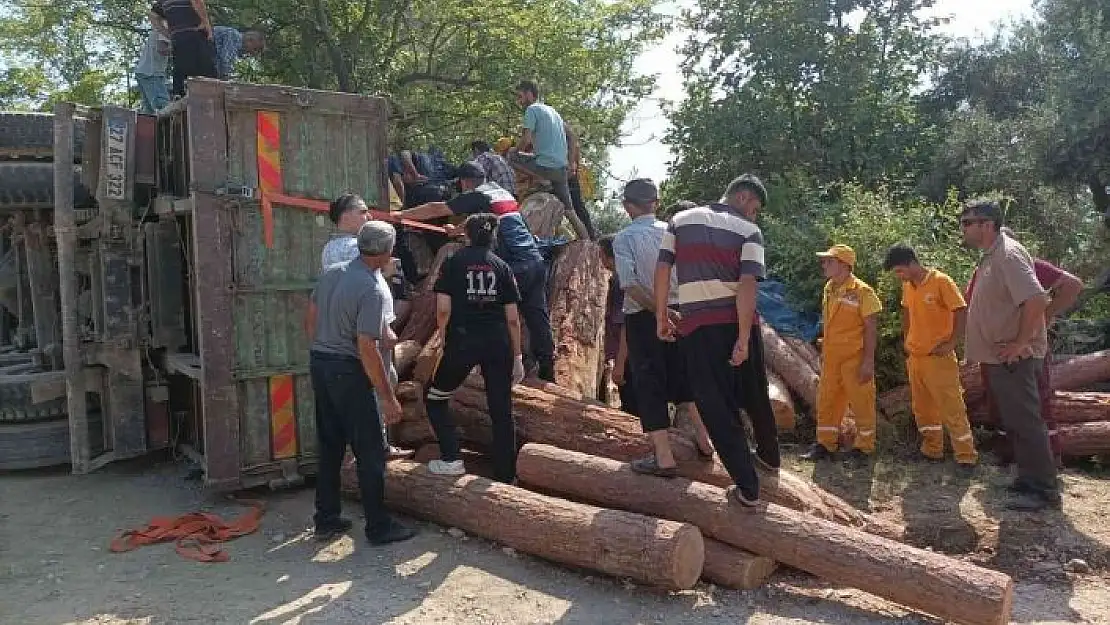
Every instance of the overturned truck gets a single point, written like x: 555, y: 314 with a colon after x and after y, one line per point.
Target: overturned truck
x: 154, y: 273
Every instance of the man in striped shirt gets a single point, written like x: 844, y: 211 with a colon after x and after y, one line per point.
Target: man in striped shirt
x: 717, y: 254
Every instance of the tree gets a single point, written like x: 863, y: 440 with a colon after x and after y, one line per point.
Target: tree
x: 827, y: 87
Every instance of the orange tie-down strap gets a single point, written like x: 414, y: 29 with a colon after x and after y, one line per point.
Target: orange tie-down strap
x: 195, y: 535
x: 269, y: 199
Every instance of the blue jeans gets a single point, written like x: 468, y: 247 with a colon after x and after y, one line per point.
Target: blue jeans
x: 153, y: 93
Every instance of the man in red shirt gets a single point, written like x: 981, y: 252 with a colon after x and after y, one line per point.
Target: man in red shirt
x: 1064, y: 289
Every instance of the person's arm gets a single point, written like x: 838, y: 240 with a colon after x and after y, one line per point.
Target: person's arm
x: 948, y: 345
x: 1027, y: 294
x: 424, y: 212
x: 625, y: 262
x: 665, y: 324
x: 526, y: 145
x: 512, y: 317
x: 905, y: 327
x: 374, y: 366
x: 157, y: 22
x: 1032, y: 323
x: 202, y: 12
x: 745, y: 314
x: 1065, y: 292
x: 443, y: 312
x: 870, y: 340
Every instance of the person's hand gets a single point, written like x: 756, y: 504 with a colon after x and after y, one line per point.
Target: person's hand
x: 518, y: 369
x: 665, y: 327
x: 674, y: 316
x: 866, y: 371
x: 451, y: 230
x: 739, y: 352
x: 572, y: 170
x: 392, y: 413
x: 1010, y: 353
x: 944, y: 348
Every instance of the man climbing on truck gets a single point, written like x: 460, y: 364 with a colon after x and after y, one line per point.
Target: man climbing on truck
x: 185, y: 23
x: 232, y: 44
x: 516, y: 245
x: 150, y: 73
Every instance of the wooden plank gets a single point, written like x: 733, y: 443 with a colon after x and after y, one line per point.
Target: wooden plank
x: 212, y: 243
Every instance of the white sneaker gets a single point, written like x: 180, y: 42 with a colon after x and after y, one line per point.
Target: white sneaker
x: 439, y: 467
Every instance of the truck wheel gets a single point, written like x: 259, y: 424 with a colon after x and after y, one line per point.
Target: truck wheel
x: 26, y: 186
x: 31, y: 135
x: 15, y: 398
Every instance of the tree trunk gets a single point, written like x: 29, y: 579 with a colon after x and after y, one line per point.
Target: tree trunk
x: 925, y: 581
x: 898, y: 399
x: 1084, y: 439
x: 734, y: 568
x: 422, y: 319
x: 562, y: 421
x: 664, y: 554
x: 1081, y: 371
x: 804, y: 349
x: 543, y: 212
x: 428, y: 360
x: 790, y: 366
x: 404, y: 357
x: 578, y: 289
x: 781, y: 402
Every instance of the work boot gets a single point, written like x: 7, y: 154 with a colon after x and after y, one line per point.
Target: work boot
x: 747, y: 500
x: 546, y: 372
x: 817, y: 452
x: 333, y: 530
x: 391, y: 532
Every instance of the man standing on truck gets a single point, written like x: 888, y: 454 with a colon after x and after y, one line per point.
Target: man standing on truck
x: 542, y: 150
x: 516, y: 245
x: 150, y: 73
x: 348, y: 316
x: 232, y: 44
x: 185, y: 23
x: 349, y: 212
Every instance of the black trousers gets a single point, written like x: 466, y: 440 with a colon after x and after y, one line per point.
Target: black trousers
x: 1014, y: 389
x: 717, y: 389
x: 347, y: 414
x: 493, y: 354
x: 531, y: 279
x: 194, y: 55
x: 757, y: 402
x: 580, y: 206
x: 627, y: 392
x: 658, y: 371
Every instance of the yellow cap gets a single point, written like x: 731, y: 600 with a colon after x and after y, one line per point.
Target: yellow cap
x: 843, y: 253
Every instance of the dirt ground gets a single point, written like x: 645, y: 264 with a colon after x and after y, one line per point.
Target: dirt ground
x: 55, y: 567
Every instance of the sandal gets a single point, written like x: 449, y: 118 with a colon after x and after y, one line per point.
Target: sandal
x: 650, y: 466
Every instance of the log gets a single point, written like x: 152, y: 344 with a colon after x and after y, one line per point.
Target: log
x: 663, y: 554
x: 1081, y: 371
x: 897, y: 399
x: 428, y: 360
x: 790, y: 366
x: 1084, y: 439
x: 781, y: 403
x: 404, y: 358
x: 543, y: 212
x: 734, y: 568
x: 1067, y: 407
x: 422, y: 320
x: 561, y: 420
x: 578, y: 289
x: 806, y: 350
x: 919, y: 579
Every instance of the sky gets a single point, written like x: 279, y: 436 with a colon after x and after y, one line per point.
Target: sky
x: 642, y: 152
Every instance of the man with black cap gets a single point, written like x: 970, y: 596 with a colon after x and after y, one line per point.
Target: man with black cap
x: 716, y: 253
x: 515, y: 245
x: 656, y: 364
x: 347, y: 317
x: 1006, y: 335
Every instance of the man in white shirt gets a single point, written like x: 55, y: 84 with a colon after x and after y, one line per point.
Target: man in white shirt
x: 150, y: 73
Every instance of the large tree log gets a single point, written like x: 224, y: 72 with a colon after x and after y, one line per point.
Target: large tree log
x: 404, y: 357
x: 578, y: 288
x: 560, y: 420
x: 422, y: 319
x: 659, y: 553
x: 922, y: 580
x: 543, y: 212
x: 897, y: 399
x: 1084, y: 439
x: 781, y: 402
x: 730, y: 567
x: 790, y: 366
x: 806, y: 350
x: 1067, y: 407
x: 1081, y: 371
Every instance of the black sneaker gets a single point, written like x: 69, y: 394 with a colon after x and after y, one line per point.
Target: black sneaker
x: 393, y: 532
x: 333, y: 530
x: 746, y: 500
x: 546, y: 372
x: 816, y: 452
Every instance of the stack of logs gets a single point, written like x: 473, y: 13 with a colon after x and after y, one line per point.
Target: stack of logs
x: 1083, y: 416
x: 577, y: 502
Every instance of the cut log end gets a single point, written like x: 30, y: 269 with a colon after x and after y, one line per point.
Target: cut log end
x: 734, y: 568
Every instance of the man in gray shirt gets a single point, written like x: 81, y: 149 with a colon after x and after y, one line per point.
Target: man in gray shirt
x: 348, y: 318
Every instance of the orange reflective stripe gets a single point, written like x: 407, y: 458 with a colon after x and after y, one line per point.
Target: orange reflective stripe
x: 283, y: 422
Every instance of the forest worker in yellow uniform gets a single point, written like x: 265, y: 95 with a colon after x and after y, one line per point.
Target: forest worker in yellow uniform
x: 933, y: 316
x: 849, y: 310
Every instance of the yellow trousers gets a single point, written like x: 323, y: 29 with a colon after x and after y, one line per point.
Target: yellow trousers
x: 840, y: 388
x: 938, y: 403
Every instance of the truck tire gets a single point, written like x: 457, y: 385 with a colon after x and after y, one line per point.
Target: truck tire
x: 25, y: 186
x: 31, y: 135
x: 15, y: 398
